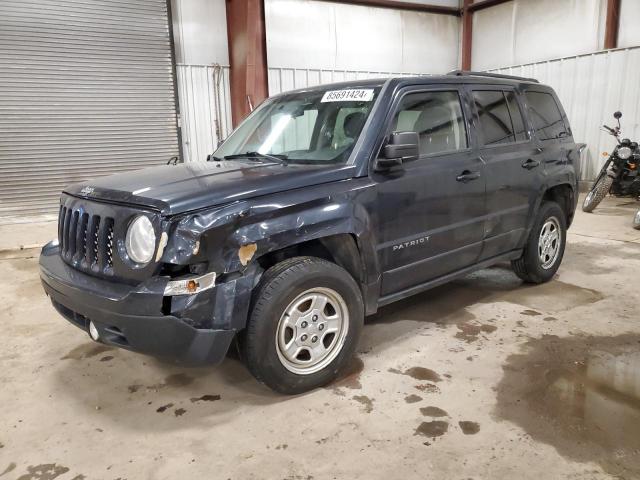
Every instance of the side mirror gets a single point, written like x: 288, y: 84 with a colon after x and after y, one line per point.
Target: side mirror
x: 617, y: 115
x: 401, y: 147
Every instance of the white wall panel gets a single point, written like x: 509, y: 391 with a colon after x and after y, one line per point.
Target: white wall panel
x: 308, y: 34
x: 591, y: 87
x: 206, y: 109
x: 526, y: 31
x: 200, y: 38
x: 493, y: 37
x: 629, y: 34
x: 200, y: 31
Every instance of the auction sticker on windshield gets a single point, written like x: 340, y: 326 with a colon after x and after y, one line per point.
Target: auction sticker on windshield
x: 362, y: 95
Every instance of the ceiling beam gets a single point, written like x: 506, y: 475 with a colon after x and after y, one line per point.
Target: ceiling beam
x: 612, y: 24
x: 481, y: 5
x: 399, y: 5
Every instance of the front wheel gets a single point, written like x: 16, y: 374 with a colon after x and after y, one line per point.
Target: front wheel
x: 306, y: 318
x: 544, y: 249
x: 597, y: 193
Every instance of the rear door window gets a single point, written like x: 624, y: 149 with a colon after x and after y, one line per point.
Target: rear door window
x: 495, y: 120
x: 545, y: 115
x: 516, y: 117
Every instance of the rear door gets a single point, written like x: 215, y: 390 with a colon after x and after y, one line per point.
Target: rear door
x: 513, y: 165
x: 552, y: 132
x: 430, y: 211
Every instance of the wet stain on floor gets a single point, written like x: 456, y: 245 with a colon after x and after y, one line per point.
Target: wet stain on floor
x: 413, y: 398
x: 419, y: 373
x: 427, y: 388
x: 45, y: 471
x: 365, y: 401
x: 10, y: 468
x: 468, y: 427
x: 435, y: 428
x: 163, y: 408
x: 433, y: 412
x: 206, y: 398
x: 580, y: 394
x: 469, y: 332
x: 350, y: 376
x: 175, y: 380
x: 134, y: 388
x: 86, y: 350
x: 555, y: 296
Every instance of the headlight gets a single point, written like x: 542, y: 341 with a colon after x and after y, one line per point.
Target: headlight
x: 624, y: 153
x: 141, y: 240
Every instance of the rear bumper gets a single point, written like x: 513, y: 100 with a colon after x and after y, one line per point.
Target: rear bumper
x: 191, y: 330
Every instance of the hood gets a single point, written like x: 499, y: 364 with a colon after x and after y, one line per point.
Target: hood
x: 192, y: 186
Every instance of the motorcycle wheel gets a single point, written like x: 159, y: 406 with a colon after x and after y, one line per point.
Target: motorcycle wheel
x: 636, y: 220
x: 597, y: 194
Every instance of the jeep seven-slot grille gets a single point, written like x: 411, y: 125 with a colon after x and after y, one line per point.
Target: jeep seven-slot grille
x: 86, y: 241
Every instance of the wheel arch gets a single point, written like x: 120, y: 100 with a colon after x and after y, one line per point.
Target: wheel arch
x: 564, y: 195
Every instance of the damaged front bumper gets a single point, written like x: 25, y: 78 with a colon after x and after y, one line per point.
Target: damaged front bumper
x: 191, y: 329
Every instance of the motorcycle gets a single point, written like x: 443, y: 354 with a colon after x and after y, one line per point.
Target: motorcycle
x: 619, y: 175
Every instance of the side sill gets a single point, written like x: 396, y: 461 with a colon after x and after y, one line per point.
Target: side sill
x: 387, y: 299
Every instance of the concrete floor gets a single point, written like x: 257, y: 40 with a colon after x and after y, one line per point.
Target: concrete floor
x: 484, y: 378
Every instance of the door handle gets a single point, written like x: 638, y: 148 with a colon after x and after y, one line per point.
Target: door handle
x: 530, y: 163
x: 468, y: 176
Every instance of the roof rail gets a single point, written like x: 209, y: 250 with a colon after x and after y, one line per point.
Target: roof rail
x: 468, y: 73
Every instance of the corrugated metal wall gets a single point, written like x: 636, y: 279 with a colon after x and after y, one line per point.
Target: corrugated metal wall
x: 87, y: 89
x: 591, y: 87
x: 205, y: 105
x: 284, y: 79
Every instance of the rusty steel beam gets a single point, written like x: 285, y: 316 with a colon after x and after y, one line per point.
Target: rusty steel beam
x: 467, y: 35
x: 612, y: 24
x: 399, y: 5
x: 247, y: 56
x: 475, y: 6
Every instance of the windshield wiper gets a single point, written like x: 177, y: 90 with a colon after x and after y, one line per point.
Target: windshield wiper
x: 281, y: 159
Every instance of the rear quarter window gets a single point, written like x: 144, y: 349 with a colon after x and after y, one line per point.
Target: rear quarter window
x: 545, y: 115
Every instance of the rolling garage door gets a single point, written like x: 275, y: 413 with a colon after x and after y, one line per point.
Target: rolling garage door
x: 86, y: 89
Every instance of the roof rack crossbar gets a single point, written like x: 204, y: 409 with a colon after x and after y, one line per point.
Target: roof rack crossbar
x: 468, y: 73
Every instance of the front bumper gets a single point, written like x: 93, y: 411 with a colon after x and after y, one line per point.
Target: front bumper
x: 194, y: 330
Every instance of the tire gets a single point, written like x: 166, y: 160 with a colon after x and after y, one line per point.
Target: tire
x: 636, y: 220
x: 287, y: 317
x: 537, y: 265
x: 597, y: 194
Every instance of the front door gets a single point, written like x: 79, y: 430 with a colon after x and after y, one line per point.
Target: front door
x: 429, y: 212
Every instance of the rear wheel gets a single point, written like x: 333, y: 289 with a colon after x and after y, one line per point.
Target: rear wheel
x: 306, y: 318
x: 636, y: 220
x: 597, y: 193
x: 544, y: 249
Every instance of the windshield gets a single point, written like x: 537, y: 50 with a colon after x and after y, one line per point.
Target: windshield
x: 319, y: 127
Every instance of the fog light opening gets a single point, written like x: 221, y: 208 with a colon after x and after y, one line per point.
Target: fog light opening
x: 93, y: 332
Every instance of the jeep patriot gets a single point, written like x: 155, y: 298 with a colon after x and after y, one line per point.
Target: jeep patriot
x: 323, y: 205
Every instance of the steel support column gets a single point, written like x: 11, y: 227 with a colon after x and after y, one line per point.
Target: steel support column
x: 467, y: 35
x: 247, y: 56
x: 612, y: 24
